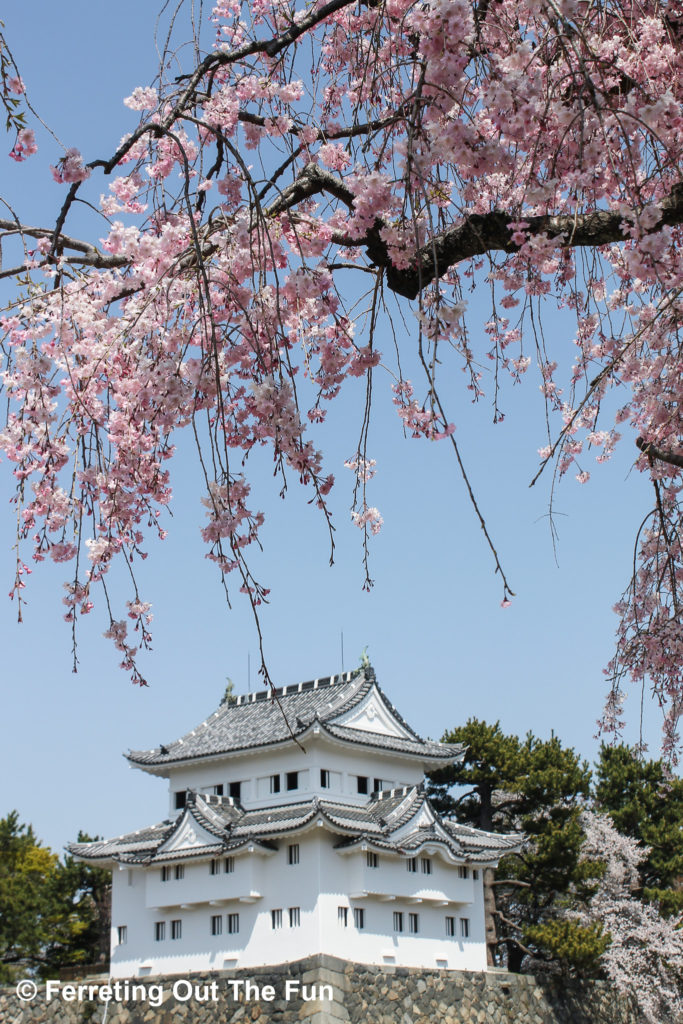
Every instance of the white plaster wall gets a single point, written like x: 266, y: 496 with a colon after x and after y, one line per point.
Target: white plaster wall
x: 247, y: 769
x: 198, y: 884
x: 318, y: 885
x: 392, y: 876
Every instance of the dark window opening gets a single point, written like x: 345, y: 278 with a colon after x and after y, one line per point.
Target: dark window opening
x: 235, y: 790
x: 292, y: 780
x: 362, y: 783
x: 180, y: 799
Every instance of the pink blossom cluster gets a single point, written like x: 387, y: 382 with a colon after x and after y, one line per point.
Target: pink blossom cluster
x: 25, y: 145
x: 70, y: 168
x: 420, y: 421
x: 644, y: 959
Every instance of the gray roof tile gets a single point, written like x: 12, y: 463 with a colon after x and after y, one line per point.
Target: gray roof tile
x: 376, y: 822
x: 259, y: 720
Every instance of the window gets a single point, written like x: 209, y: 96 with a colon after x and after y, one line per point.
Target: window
x: 324, y: 778
x: 159, y: 931
x: 359, y: 917
x: 274, y: 783
x: 411, y: 864
x: 180, y: 799
x: 398, y: 920
x: 229, y: 865
x: 122, y: 934
x: 413, y: 923
x: 218, y: 790
x: 475, y: 873
x: 215, y: 867
x: 235, y: 790
x: 165, y: 873
x: 180, y: 870
x: 465, y: 927
x: 176, y: 929
x: 362, y: 781
x: 426, y: 865
x: 463, y: 871
x: 293, y: 853
x: 292, y: 780
x: 343, y: 916
x: 294, y: 917
x: 450, y: 927
x: 377, y: 785
x: 276, y: 918
x: 217, y: 924
x: 372, y: 860
x: 233, y: 924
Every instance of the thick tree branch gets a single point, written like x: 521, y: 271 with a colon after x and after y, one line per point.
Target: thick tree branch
x: 92, y: 256
x: 492, y: 232
x: 661, y: 454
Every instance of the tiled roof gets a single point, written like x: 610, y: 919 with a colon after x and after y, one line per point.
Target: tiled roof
x: 267, y: 718
x: 376, y: 822
x: 478, y: 844
x: 423, y: 748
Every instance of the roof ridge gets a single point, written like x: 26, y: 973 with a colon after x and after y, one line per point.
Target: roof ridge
x: 312, y: 684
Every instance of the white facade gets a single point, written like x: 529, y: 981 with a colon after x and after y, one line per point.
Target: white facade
x: 307, y: 857
x: 319, y: 885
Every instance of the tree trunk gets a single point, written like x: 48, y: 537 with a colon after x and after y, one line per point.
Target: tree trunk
x: 490, y: 918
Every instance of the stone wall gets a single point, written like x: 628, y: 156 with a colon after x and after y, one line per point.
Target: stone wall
x: 323, y: 990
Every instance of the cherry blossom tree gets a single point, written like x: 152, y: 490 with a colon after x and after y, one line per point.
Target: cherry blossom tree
x: 645, y: 953
x: 321, y: 158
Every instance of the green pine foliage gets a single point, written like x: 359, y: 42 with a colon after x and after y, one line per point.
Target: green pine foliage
x: 570, y: 942
x: 644, y: 802
x: 53, y: 914
x: 27, y: 871
x: 539, y: 788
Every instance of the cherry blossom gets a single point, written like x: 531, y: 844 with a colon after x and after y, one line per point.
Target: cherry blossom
x: 403, y: 150
x: 645, y: 956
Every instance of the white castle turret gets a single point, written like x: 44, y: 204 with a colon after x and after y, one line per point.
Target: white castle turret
x: 298, y: 824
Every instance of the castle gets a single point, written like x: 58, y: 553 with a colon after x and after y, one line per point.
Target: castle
x: 298, y: 824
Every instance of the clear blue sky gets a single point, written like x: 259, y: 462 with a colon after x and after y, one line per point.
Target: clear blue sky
x: 443, y: 648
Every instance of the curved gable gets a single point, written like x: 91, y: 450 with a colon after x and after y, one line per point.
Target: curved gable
x: 373, y: 714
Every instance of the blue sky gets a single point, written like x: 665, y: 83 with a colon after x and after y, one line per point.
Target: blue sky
x: 442, y: 646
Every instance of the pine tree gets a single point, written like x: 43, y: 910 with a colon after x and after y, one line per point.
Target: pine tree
x: 27, y: 871
x: 540, y: 788
x: 52, y: 914
x: 644, y: 802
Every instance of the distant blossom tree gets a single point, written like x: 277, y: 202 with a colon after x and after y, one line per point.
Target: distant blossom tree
x: 319, y: 151
x: 645, y: 953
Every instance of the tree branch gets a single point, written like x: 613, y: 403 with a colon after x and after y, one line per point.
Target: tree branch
x: 92, y: 256
x: 659, y: 453
x: 492, y: 232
